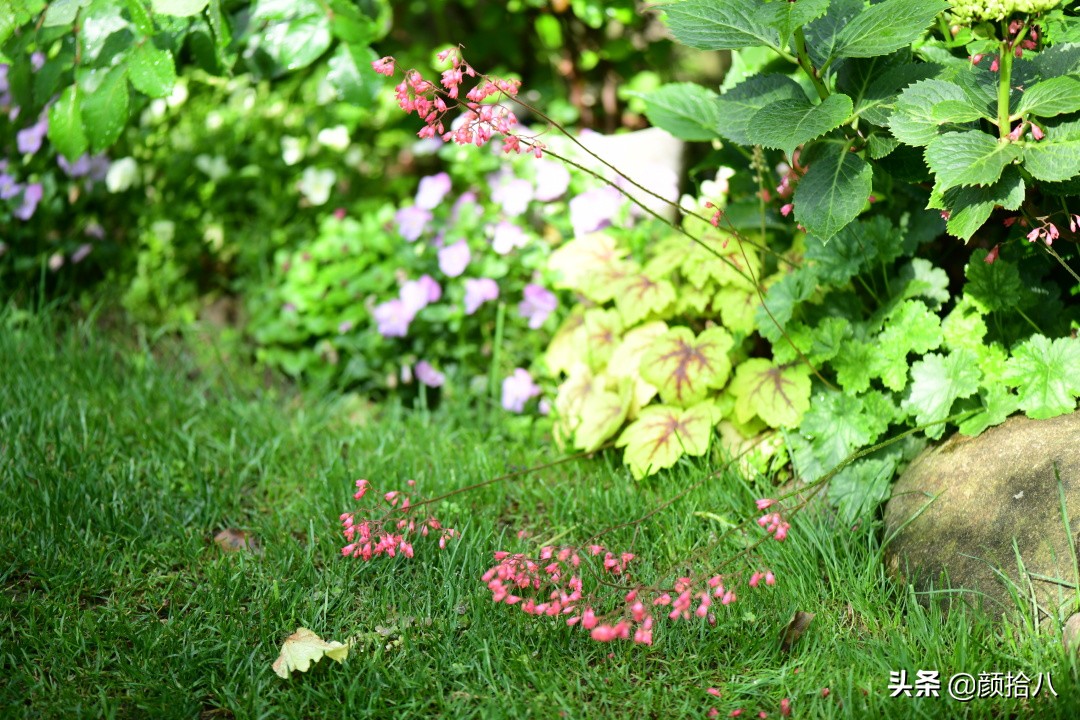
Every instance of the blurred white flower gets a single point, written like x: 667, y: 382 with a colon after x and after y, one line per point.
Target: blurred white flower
x: 215, y: 167
x: 315, y: 184
x: 179, y: 94
x: 292, y: 150
x: 122, y: 175
x: 336, y: 138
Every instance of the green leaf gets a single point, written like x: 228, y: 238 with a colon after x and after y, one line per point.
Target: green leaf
x: 737, y: 309
x: 937, y: 381
x: 179, y: 8
x: 722, y: 24
x: 1056, y: 96
x: 861, y: 487
x: 958, y: 111
x: 61, y: 12
x: 996, y: 286
x: 602, y: 414
x: 823, y: 34
x: 910, y: 328
x: 833, y: 191
x: 740, y: 103
x: 968, y: 158
x: 1044, y: 372
x: 294, y: 44
x: 781, y: 299
x: 778, y: 395
x: 852, y: 365
x: 1051, y: 160
x: 862, y: 244
x: 104, y: 105
x: 874, y: 84
x: 998, y: 404
x: 885, y: 26
x: 913, y: 120
x: 964, y: 326
x: 786, y: 124
x: 66, y: 131
x: 789, y: 17
x: 685, y: 368
x: 836, y: 425
x: 351, y: 75
x: 686, y: 110
x: 970, y: 207
x: 662, y: 434
x: 920, y: 278
x: 151, y: 70
x: 1061, y: 59
x: 881, y: 145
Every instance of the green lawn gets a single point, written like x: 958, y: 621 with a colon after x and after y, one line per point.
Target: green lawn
x: 118, y: 466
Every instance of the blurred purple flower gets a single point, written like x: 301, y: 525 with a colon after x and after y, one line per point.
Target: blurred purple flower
x: 99, y: 167
x: 552, y: 179
x: 37, y: 60
x: 429, y: 375
x: 414, y: 297
x: 80, y: 167
x: 81, y: 252
x: 29, y: 139
x: 432, y: 190
x: 544, y: 407
x: 453, y: 259
x: 434, y: 292
x: 479, y: 291
x: 411, y: 222
x: 465, y: 201
x: 507, y: 237
x: 344, y: 327
x: 537, y: 305
x: 393, y: 318
x: 31, y: 198
x: 95, y: 230
x: 595, y: 209
x: 517, y: 390
x: 8, y: 187
x: 512, y: 194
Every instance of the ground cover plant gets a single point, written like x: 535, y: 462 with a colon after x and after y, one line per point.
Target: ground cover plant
x: 120, y: 465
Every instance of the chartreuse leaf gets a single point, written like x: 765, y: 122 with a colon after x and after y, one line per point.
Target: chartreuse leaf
x: 626, y: 361
x: 662, y: 434
x: 996, y: 286
x: 104, y: 105
x: 65, y: 124
x: 970, y: 207
x: 937, y: 381
x: 910, y: 328
x: 686, y: 110
x: 1044, y: 372
x: 567, y: 346
x: 152, y: 70
x: 913, y: 120
x: 778, y: 395
x: 833, y: 191
x: 637, y: 296
x: 603, y: 329
x: 998, y: 404
x: 180, y: 8
x: 1053, y: 160
x: 685, y: 368
x: 303, y: 648
x: 740, y: 103
x: 968, y: 158
x: 581, y: 261
x: 722, y: 24
x: 786, y: 124
x: 884, y: 27
x: 602, y: 414
x: 737, y: 308
x: 579, y: 385
x: 1054, y: 96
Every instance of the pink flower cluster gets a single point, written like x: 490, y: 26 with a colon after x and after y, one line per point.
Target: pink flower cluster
x: 773, y: 523
x: 394, y: 532
x: 478, y: 123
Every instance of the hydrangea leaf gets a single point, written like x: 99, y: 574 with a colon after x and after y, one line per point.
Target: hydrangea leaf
x: 104, y: 105
x: 603, y: 329
x: 567, y: 346
x: 1053, y: 160
x: 737, y: 308
x: 662, y: 434
x: 686, y: 110
x: 685, y: 368
x: 996, y: 286
x: 852, y: 365
x: 778, y: 395
x: 739, y: 104
x: 303, y: 648
x: 968, y: 158
x: 730, y: 25
x: 937, y: 381
x: 152, y: 70
x: 1045, y: 374
x: 602, y: 414
x: 913, y: 121
x: 579, y: 260
x: 833, y: 191
x: 786, y: 124
x: 788, y: 17
x: 998, y: 404
x: 1050, y: 97
x: 884, y: 27
x: 637, y: 296
x: 969, y: 207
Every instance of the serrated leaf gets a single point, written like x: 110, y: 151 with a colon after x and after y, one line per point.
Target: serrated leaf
x: 1053, y: 161
x: 638, y: 296
x: 818, y: 344
x: 778, y: 395
x: 726, y: 25
x: 66, y: 131
x: 1061, y: 59
x: 684, y: 368
x: 860, y: 488
x: 738, y: 105
x: 662, y: 434
x: 603, y: 329
x: 913, y: 122
x: 686, y: 110
x: 105, y: 107
x: 874, y: 84
x: 957, y: 111
x: 1055, y: 96
x: 823, y: 34
x: 970, y: 206
x: 885, y: 27
x: 910, y: 328
x: 964, y: 326
x: 862, y: 244
x: 62, y: 12
x: 852, y: 365
x: 788, y: 17
x: 151, y: 70
x: 303, y: 648
x: 920, y: 278
x: 602, y: 414
x: 786, y: 124
x: 998, y: 405
x: 179, y: 8
x: 832, y: 192
x: 937, y: 381
x: 780, y: 301
x: 1045, y: 374
x: 836, y: 425
x: 881, y: 145
x: 737, y: 308
x: 996, y: 286
x: 968, y: 158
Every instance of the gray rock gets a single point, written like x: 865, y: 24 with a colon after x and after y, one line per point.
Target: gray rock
x: 960, y: 506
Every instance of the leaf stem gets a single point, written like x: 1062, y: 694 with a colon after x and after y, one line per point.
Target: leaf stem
x: 808, y: 66
x: 1005, y: 58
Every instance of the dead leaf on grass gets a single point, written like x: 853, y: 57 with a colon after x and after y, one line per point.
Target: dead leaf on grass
x: 795, y: 629
x: 304, y: 647
x: 230, y: 540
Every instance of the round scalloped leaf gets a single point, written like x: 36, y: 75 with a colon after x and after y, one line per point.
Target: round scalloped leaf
x: 778, y: 395
x: 936, y: 382
x: 603, y: 329
x: 685, y: 368
x: 568, y: 344
x: 602, y: 414
x: 581, y: 259
x: 1045, y: 374
x: 637, y: 296
x: 663, y: 434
